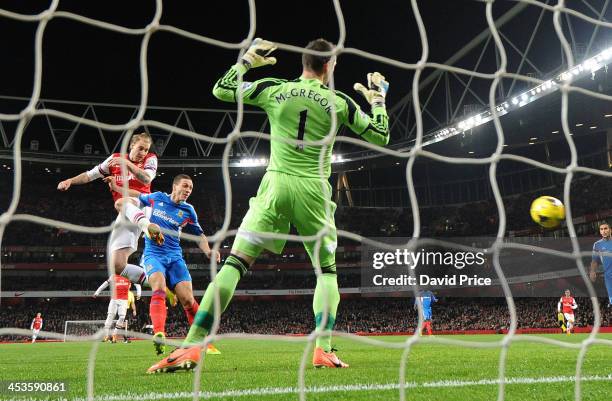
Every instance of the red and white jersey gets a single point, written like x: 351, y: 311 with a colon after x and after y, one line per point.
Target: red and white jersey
x: 122, y: 287
x: 37, y: 323
x: 149, y: 164
x: 567, y: 304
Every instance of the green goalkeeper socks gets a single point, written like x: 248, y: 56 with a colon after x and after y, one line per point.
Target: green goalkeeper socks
x: 327, y: 287
x: 226, y: 281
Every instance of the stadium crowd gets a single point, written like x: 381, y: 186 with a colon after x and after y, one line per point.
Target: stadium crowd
x: 356, y: 315
x: 253, y: 280
x: 40, y: 197
x: 91, y: 205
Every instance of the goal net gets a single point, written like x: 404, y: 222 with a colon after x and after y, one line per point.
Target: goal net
x: 87, y: 328
x: 564, y: 83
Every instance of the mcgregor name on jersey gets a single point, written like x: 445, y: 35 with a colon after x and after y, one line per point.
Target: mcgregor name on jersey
x: 310, y: 94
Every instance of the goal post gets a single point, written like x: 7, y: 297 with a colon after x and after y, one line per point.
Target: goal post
x: 84, y: 327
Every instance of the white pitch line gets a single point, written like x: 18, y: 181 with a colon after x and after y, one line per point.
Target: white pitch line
x: 270, y: 391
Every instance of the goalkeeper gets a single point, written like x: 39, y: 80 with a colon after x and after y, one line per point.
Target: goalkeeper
x: 291, y: 191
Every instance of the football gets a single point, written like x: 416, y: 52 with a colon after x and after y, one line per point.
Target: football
x: 547, y: 211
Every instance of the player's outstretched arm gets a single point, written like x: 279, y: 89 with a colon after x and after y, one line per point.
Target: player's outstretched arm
x: 226, y: 87
x: 98, y: 171
x: 205, y: 247
x: 80, y: 179
x: 101, y: 288
x: 373, y: 128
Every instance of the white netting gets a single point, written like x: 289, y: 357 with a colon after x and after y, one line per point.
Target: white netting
x: 30, y: 111
x: 81, y: 328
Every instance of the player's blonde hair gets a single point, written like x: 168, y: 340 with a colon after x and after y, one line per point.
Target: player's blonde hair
x: 142, y: 136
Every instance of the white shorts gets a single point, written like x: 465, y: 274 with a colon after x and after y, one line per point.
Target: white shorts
x: 35, y: 331
x: 117, y: 306
x: 126, y: 236
x: 569, y: 317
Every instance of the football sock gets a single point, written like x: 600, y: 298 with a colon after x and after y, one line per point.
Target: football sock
x: 134, y: 273
x: 326, y: 289
x: 137, y: 216
x: 133, y: 213
x: 191, y: 311
x: 226, y: 282
x: 157, y: 310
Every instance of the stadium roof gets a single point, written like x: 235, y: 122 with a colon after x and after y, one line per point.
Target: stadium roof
x: 94, y: 65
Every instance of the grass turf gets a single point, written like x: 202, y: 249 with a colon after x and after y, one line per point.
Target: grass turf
x: 437, y: 372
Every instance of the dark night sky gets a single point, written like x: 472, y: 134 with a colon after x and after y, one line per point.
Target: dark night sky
x: 82, y: 62
x: 86, y: 63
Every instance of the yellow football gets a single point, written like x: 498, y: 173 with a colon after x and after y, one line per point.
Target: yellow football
x: 547, y: 211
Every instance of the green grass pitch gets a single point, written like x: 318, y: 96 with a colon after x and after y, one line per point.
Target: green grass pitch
x: 268, y: 370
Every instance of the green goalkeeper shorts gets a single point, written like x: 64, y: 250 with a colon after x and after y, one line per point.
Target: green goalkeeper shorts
x: 282, y: 200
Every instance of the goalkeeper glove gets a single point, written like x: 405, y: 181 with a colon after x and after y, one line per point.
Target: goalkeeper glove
x: 377, y: 89
x: 257, y: 55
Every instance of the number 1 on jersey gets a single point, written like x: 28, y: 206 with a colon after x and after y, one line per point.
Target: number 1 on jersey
x: 302, y: 128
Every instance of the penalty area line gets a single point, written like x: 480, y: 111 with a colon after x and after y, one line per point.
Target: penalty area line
x: 271, y: 391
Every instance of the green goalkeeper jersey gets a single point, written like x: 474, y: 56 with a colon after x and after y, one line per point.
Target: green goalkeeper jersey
x: 302, y: 109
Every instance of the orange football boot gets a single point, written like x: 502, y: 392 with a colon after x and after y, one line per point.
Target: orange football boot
x: 322, y: 359
x: 179, y: 359
x: 212, y: 350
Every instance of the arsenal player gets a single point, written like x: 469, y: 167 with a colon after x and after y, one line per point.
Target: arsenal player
x: 141, y: 168
x: 36, y: 325
x: 567, y: 305
x: 118, y: 304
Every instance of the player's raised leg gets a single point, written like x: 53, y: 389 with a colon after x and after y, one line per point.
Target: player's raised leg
x: 119, y: 262
x: 124, y: 240
x: 138, y: 217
